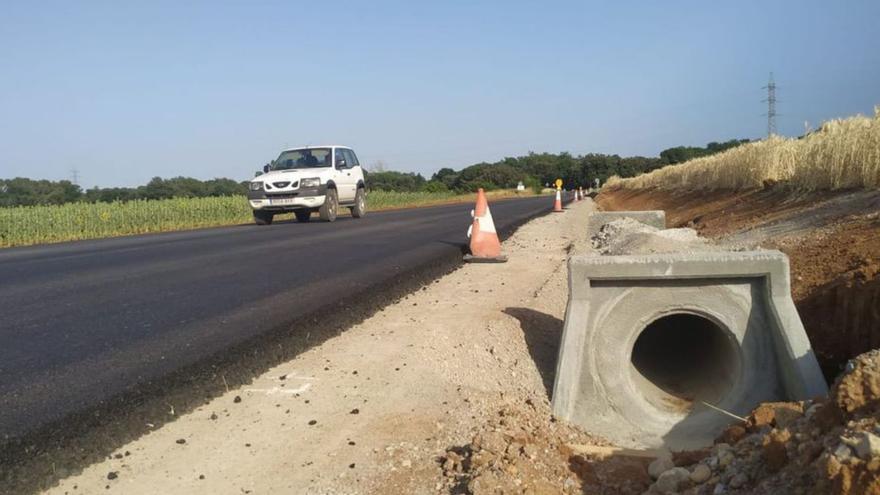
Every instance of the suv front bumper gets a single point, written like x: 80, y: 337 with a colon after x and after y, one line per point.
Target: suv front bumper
x: 301, y: 198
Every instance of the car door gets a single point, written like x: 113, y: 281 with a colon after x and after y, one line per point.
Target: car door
x: 346, y: 182
x: 356, y: 172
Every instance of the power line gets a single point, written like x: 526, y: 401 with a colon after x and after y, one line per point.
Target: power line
x: 771, y: 106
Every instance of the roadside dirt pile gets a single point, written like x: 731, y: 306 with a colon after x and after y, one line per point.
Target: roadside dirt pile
x: 818, y: 447
x: 628, y: 236
x: 524, y: 449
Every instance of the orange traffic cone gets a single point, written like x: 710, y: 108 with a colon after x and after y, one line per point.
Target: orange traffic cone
x: 557, y: 206
x: 485, y: 246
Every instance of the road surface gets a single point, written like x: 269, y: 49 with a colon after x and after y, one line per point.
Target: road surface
x: 82, y: 322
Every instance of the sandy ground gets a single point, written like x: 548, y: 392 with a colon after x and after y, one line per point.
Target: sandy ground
x: 374, y: 409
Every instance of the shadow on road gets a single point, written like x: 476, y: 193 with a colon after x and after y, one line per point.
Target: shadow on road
x: 543, y: 334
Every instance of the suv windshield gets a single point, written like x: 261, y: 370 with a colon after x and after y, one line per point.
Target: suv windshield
x: 303, y: 158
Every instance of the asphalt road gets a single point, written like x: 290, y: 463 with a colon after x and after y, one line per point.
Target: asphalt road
x: 81, y: 322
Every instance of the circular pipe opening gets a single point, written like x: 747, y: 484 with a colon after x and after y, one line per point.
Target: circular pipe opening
x: 683, y: 358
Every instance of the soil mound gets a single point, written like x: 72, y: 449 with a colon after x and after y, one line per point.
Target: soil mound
x: 628, y: 236
x: 824, y: 446
x: 525, y: 450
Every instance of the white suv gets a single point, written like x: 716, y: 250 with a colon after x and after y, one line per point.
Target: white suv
x: 304, y: 180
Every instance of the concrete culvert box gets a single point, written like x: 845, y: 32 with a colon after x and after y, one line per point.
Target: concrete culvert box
x: 649, y: 340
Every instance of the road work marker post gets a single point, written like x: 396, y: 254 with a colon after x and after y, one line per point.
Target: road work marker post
x: 485, y: 246
x: 557, y: 205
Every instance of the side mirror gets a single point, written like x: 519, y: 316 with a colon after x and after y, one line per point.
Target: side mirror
x: 340, y: 164
x: 258, y: 173
x: 265, y: 169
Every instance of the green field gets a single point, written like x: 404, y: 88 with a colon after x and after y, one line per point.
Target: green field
x: 27, y: 225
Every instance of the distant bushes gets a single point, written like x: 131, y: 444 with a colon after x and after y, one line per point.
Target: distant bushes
x: 534, y: 170
x: 27, y: 192
x: 842, y: 154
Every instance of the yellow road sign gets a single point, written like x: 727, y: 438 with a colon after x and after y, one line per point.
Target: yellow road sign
x: 558, y: 183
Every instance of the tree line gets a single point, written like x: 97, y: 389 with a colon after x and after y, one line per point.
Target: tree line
x: 534, y: 170
x: 28, y: 192
x: 537, y: 170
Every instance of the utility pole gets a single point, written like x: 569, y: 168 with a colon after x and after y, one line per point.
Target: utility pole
x: 771, y: 106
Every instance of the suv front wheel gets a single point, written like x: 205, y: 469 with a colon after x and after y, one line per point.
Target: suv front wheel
x: 327, y: 212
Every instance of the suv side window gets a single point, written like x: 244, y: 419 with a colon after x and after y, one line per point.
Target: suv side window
x: 352, y: 160
x: 340, y: 156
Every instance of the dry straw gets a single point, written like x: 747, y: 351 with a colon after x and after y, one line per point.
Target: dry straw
x: 842, y: 154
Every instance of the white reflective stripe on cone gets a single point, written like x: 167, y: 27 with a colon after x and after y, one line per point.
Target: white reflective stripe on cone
x: 486, y: 222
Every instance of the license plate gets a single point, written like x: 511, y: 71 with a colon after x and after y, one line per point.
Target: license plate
x: 282, y: 201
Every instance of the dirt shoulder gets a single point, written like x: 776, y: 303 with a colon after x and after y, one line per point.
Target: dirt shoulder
x: 376, y: 408
x: 831, y: 238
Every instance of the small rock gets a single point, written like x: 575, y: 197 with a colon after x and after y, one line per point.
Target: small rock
x: 313, y: 422
x: 494, y: 442
x: 355, y: 411
x: 213, y: 416
x: 112, y: 475
x: 719, y: 489
x: 700, y: 473
x: 237, y: 399
x: 181, y: 441
x: 867, y: 445
x: 725, y: 458
x: 787, y: 413
x: 406, y: 463
x: 842, y: 452
x: 732, y: 434
x: 718, y: 448
x: 809, y: 451
x: 660, y: 465
x: 774, y: 449
x: 739, y: 480
x: 671, y: 480
x: 762, y: 415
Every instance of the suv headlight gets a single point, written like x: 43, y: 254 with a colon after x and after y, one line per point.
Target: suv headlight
x: 256, y: 186
x: 310, y: 182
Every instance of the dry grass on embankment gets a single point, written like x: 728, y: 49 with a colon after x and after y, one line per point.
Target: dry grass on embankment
x: 841, y: 154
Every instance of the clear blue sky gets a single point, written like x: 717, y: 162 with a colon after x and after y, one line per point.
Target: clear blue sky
x: 124, y: 91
